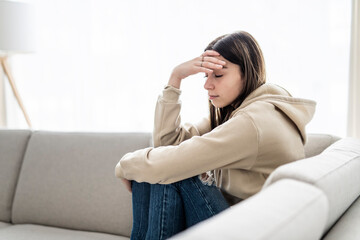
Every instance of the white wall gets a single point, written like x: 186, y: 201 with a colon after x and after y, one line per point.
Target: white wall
x: 100, y: 64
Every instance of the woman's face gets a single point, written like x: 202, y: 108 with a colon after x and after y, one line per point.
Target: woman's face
x: 224, y: 85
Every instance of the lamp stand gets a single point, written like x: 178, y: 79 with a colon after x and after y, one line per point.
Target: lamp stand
x: 2, y: 100
x: 7, y: 73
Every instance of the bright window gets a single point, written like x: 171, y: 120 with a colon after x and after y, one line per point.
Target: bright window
x: 101, y: 64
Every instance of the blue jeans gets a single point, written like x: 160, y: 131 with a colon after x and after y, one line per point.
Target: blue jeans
x: 162, y: 210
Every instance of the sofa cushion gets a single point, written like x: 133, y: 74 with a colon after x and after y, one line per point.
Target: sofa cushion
x: 285, y: 210
x: 38, y: 232
x: 3, y: 224
x: 12, y: 147
x: 335, y: 171
x: 68, y: 180
x: 347, y: 228
x: 316, y: 143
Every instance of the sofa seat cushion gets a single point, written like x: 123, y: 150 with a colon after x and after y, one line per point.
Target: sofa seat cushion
x: 347, y: 228
x: 68, y: 180
x: 38, y: 232
x: 12, y: 148
x: 335, y: 171
x: 286, y: 210
x: 3, y: 224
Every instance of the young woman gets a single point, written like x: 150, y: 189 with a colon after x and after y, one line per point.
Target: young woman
x: 253, y: 128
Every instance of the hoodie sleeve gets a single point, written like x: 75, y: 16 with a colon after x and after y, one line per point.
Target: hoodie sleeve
x: 234, y: 141
x: 167, y: 123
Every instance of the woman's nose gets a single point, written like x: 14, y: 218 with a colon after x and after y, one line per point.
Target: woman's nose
x: 209, y: 85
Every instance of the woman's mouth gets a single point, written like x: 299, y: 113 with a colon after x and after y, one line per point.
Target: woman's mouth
x: 211, y: 97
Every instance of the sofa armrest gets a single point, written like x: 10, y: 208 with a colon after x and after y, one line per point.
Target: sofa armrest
x: 274, y: 213
x: 335, y: 171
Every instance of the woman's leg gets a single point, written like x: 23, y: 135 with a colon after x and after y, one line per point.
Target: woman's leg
x: 140, y: 205
x: 166, y: 212
x: 161, y: 211
x: 157, y: 211
x: 200, y: 200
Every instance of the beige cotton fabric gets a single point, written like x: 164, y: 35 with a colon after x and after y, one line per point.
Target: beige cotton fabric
x: 266, y: 131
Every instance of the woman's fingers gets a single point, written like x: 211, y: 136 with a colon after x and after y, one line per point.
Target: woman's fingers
x: 210, y: 60
x: 210, y: 53
x: 205, y: 70
x: 127, y: 184
x: 212, y: 63
x: 214, y: 60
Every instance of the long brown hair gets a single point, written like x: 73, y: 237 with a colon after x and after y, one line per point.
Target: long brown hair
x: 242, y: 49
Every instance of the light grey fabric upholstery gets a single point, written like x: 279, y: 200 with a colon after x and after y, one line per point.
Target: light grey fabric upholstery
x: 38, y: 232
x: 348, y: 227
x: 316, y: 143
x: 335, y: 171
x: 12, y: 147
x: 3, y: 224
x: 68, y: 180
x: 287, y: 209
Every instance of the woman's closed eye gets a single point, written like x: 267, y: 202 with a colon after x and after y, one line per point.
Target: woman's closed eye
x: 216, y: 75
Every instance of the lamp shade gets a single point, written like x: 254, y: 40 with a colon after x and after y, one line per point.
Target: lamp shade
x: 16, y: 27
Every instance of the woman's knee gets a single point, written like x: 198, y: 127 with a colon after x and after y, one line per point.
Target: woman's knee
x: 140, y: 187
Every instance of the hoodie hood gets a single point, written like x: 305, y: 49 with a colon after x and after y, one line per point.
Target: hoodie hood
x: 299, y: 111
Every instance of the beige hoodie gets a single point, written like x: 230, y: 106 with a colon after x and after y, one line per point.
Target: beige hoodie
x: 266, y: 131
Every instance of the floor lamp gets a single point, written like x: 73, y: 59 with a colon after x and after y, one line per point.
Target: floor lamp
x: 16, y: 36
x: 6, y: 69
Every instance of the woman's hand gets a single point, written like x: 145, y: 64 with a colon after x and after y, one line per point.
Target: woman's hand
x: 127, y: 184
x: 206, y: 63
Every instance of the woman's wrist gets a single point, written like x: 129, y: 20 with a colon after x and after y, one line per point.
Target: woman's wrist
x: 174, y: 81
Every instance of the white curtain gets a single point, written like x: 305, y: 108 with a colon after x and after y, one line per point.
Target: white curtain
x: 354, y: 83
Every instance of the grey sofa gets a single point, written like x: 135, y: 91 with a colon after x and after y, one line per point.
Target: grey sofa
x: 57, y: 185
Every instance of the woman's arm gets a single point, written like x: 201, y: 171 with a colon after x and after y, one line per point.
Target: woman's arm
x: 235, y: 141
x: 167, y: 123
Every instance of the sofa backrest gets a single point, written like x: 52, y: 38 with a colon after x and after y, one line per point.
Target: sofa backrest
x: 316, y: 143
x: 335, y: 171
x: 12, y: 147
x: 68, y: 180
